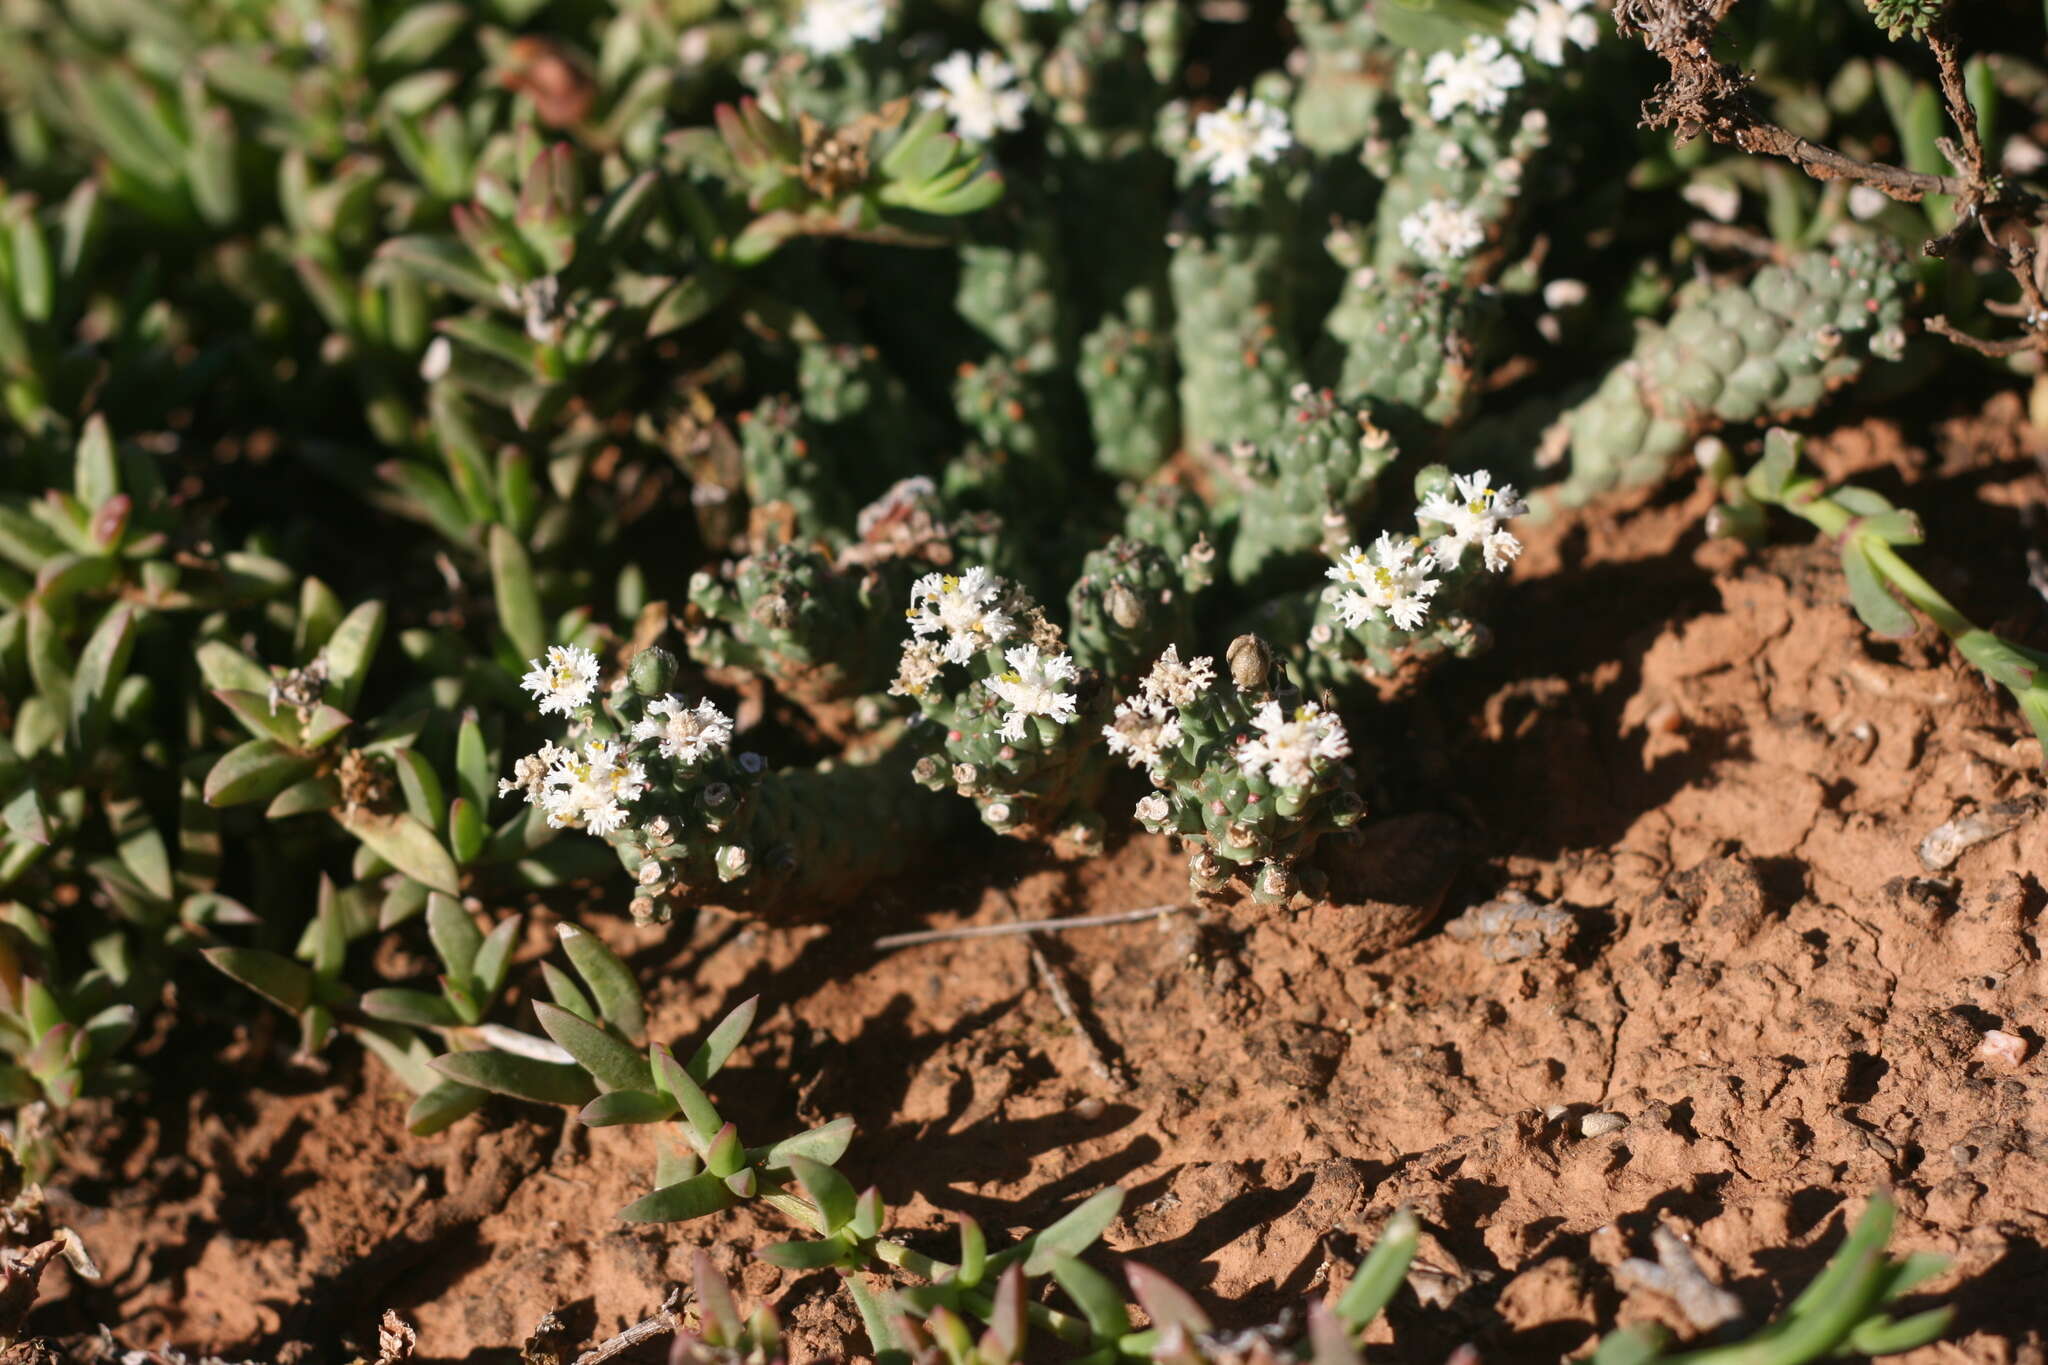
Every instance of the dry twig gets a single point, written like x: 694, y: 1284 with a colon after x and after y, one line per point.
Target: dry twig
x: 1026, y: 926
x: 1703, y: 95
x: 664, y: 1322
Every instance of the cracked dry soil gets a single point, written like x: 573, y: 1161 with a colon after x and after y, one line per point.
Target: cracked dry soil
x: 1728, y: 996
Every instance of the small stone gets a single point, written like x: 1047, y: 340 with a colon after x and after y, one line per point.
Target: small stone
x: 1945, y: 844
x: 1600, y: 1123
x: 2000, y: 1046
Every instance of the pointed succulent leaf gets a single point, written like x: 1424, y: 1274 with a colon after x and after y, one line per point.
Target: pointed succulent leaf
x: 279, y: 979
x: 614, y: 1064
x: 443, y: 1106
x: 400, y: 1006
x: 226, y: 668
x: 612, y: 988
x: 524, y: 1078
x: 519, y: 610
x: 259, y: 718
x: 829, y: 1191
x: 1070, y: 1235
x: 804, y: 1255
x: 101, y: 666
x: 824, y: 1144
x: 675, y: 1081
x: 626, y: 1107
x: 436, y: 260
x: 254, y: 771
x: 1094, y: 1295
x: 1882, y: 1336
x: 1166, y: 1303
x: 404, y: 843
x: 1883, y: 613
x: 692, y: 1198
x: 348, y: 652
x: 716, y: 1049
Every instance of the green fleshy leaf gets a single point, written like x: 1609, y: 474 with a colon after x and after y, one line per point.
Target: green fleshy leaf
x: 1069, y: 1236
x: 418, y: 1008
x: 1382, y: 1273
x: 804, y: 1255
x: 626, y: 1107
x: 1883, y: 613
x: 276, y: 978
x: 824, y: 1144
x: 254, y: 771
x: 610, y: 980
x: 348, y: 653
x: 830, y: 1192
x: 718, y: 1048
x: 406, y: 844
x: 519, y: 610
x: 692, y: 1198
x: 523, y: 1078
x: 615, y: 1064
x: 442, y: 1106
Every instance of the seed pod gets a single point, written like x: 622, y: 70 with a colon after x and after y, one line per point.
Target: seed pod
x: 1251, y: 663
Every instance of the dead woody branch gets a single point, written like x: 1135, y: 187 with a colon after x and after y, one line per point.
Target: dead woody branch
x: 1705, y: 96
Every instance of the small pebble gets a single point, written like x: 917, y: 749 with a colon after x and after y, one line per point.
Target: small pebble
x: 2000, y: 1046
x: 1946, y: 843
x: 1599, y: 1123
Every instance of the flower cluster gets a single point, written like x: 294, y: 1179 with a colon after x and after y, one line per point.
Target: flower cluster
x: 1478, y: 76
x: 1031, y: 687
x: 590, y: 790
x: 589, y: 786
x: 1392, y: 580
x: 1477, y: 515
x: 562, y: 680
x: 1395, y: 579
x: 966, y: 615
x: 963, y: 608
x: 1545, y: 28
x: 684, y: 733
x: 1291, y: 746
x: 980, y: 94
x: 1145, y: 726
x: 828, y: 26
x: 1442, y: 232
x: 1245, y: 773
x: 1229, y: 141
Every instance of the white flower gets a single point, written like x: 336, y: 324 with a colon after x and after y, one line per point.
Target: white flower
x: 685, y: 734
x: 437, y: 359
x: 963, y: 607
x: 1143, y: 730
x: 1153, y: 809
x: 977, y: 93
x: 564, y: 680
x: 829, y: 26
x: 1289, y: 750
x: 1867, y: 201
x: 922, y: 662
x: 1031, y: 688
x: 1476, y: 78
x: 1391, y: 579
x: 1542, y: 29
x: 1442, y: 232
x: 591, y: 790
x: 1228, y: 140
x: 530, y: 774
x: 1176, y: 683
x: 1475, y: 517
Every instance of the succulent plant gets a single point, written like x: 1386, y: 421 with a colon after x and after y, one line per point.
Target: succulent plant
x: 1245, y: 773
x: 1768, y: 349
